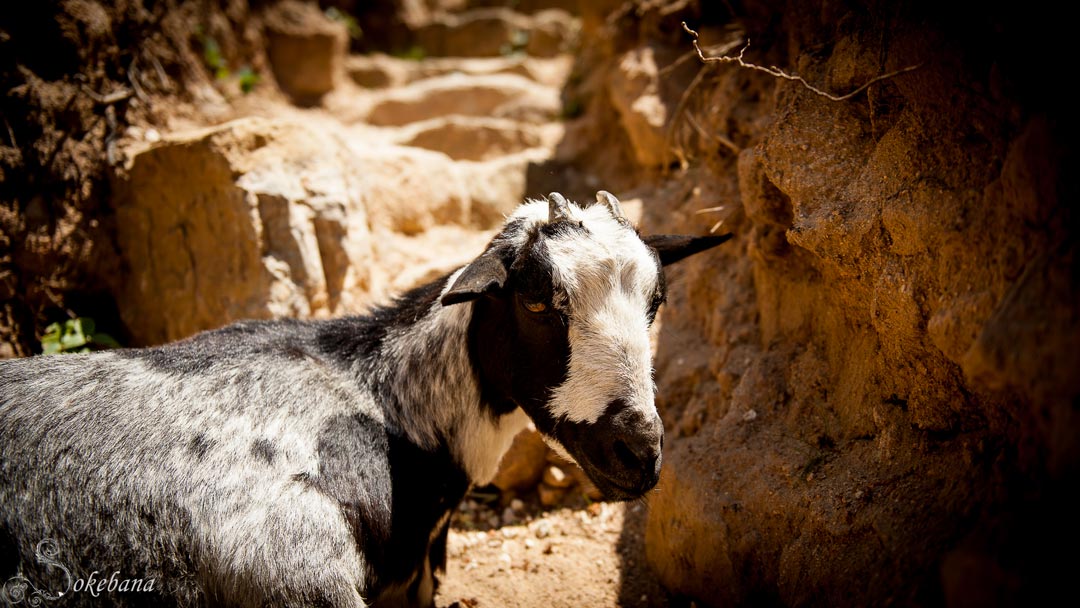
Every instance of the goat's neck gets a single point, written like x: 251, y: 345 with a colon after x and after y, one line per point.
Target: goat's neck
x: 436, y: 399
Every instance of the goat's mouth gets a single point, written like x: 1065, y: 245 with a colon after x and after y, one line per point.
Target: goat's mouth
x: 622, y: 460
x: 618, y: 483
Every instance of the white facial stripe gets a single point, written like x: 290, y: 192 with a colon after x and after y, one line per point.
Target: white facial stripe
x: 609, y: 359
x: 609, y: 277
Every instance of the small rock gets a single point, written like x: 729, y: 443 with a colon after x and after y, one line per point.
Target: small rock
x: 508, y: 516
x: 555, y: 477
x: 542, y: 529
x: 306, y: 50
x: 523, y: 464
x: 749, y: 415
x: 549, y: 496
x: 517, y: 505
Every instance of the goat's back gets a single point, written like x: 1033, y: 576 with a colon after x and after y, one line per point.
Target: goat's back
x: 165, y: 463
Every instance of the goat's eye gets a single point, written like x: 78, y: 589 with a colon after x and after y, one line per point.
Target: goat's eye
x: 535, y: 306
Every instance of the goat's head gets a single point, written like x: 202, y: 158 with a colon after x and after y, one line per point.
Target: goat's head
x: 563, y: 300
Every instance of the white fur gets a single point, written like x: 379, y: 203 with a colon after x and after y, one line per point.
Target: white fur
x: 608, y: 277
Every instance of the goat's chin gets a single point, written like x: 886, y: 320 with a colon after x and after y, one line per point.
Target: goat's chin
x: 620, y: 495
x: 614, y: 492
x: 613, y: 489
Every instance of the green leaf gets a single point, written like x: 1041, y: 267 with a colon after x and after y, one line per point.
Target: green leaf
x: 73, y: 336
x: 102, y: 339
x: 248, y: 79
x: 212, y: 53
x: 52, y: 333
x: 77, y: 335
x: 347, y: 20
x: 414, y: 53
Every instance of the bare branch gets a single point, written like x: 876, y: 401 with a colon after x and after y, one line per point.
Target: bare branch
x: 162, y: 78
x: 11, y: 134
x: 778, y: 73
x: 115, y: 97
x: 133, y: 78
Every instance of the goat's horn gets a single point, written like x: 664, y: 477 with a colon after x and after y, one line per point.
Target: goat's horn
x: 608, y: 200
x: 558, y: 207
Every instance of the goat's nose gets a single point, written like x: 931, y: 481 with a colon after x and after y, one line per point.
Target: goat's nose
x: 638, y: 455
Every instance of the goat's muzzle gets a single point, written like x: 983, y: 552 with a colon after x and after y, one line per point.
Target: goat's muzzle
x: 620, y: 452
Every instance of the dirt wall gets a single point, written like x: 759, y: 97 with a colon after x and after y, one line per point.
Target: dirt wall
x: 870, y: 393
x: 75, y: 75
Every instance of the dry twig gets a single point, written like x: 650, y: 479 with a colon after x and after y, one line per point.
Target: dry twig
x: 133, y: 78
x: 778, y: 73
x: 11, y: 135
x: 716, y: 209
x: 106, y: 100
x: 162, y: 79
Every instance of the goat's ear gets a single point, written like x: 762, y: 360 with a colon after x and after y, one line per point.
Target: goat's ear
x: 673, y: 247
x: 483, y: 275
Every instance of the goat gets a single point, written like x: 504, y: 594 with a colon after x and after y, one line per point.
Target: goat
x: 316, y: 463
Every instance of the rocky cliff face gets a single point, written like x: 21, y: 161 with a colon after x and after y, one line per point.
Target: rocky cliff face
x: 871, y: 394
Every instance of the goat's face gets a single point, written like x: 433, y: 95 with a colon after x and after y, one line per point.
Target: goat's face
x: 563, y: 300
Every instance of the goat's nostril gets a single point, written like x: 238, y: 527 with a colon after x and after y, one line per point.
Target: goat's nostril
x: 626, y: 456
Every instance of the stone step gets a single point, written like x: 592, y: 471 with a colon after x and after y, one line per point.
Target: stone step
x: 478, y: 138
x: 379, y: 71
x: 496, y: 95
x: 491, y: 32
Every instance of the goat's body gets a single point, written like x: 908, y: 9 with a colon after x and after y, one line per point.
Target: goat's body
x: 261, y: 464
x: 316, y: 463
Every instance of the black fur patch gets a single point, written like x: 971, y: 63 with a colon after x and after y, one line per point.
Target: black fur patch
x: 263, y: 450
x: 563, y: 228
x: 620, y: 452
x: 9, y: 553
x: 355, y: 339
x: 659, y: 295
x: 393, y: 516
x: 521, y: 356
x: 199, y: 445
